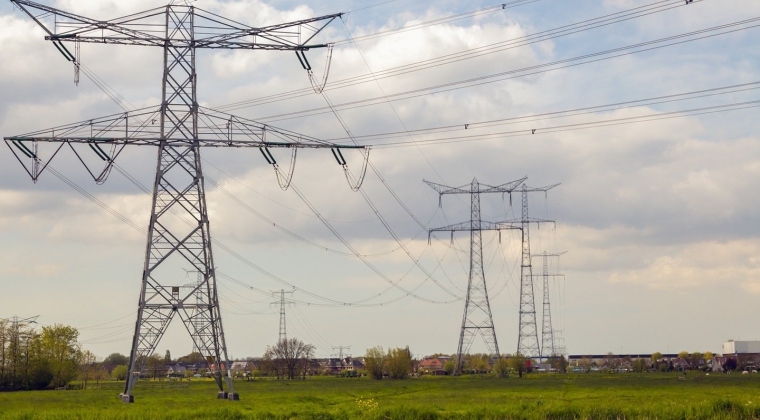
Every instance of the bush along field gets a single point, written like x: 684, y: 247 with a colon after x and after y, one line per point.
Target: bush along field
x: 546, y: 396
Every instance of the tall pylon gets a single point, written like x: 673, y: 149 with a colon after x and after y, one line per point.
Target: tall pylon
x: 283, y: 324
x: 178, y: 227
x: 477, y: 317
x: 527, y: 338
x: 549, y: 345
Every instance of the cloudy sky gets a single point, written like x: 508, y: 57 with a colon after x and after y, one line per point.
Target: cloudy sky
x: 647, y: 117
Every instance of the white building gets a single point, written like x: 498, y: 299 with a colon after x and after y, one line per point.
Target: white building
x: 741, y: 347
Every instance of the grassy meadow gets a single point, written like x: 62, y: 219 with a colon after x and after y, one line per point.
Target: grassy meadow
x: 552, y: 396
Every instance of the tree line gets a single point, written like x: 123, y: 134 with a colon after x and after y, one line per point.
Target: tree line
x: 35, y: 360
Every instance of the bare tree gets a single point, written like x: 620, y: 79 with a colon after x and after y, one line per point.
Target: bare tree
x: 293, y: 356
x: 87, y: 366
x: 156, y: 365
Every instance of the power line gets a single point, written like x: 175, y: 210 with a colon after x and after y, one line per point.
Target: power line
x: 657, y: 100
x: 582, y: 126
x: 439, y: 21
x: 530, y: 39
x: 523, y: 72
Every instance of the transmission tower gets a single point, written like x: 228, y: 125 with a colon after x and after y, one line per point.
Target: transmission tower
x: 179, y: 128
x: 477, y: 316
x: 527, y: 339
x: 199, y: 299
x: 549, y: 346
x: 340, y: 351
x: 281, y: 303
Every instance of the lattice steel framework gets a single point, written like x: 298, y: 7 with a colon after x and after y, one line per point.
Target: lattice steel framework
x: 283, y: 336
x: 527, y: 339
x: 549, y: 347
x: 179, y: 232
x: 477, y: 317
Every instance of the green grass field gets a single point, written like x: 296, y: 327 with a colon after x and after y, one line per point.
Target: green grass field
x: 570, y: 396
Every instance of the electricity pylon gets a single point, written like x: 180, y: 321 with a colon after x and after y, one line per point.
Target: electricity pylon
x: 178, y: 127
x: 477, y: 309
x: 527, y: 339
x: 340, y: 351
x: 549, y: 347
x: 283, y: 328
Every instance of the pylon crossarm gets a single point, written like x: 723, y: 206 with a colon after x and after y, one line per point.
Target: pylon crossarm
x: 64, y: 26
x: 141, y: 28
x: 541, y: 189
x: 503, y: 188
x: 468, y: 227
x: 176, y: 142
x: 518, y: 222
x: 445, y: 189
x: 559, y: 254
x: 294, y: 35
x: 481, y: 188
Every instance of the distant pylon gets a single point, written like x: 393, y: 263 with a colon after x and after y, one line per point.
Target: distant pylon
x: 283, y: 325
x: 477, y: 315
x: 527, y: 339
x: 549, y: 345
x: 340, y: 350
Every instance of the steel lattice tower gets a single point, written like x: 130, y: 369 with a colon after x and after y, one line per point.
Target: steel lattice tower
x: 477, y: 316
x: 549, y: 347
x: 527, y: 339
x: 178, y: 229
x: 283, y: 328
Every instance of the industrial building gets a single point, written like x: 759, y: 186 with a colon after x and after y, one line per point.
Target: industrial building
x: 732, y: 347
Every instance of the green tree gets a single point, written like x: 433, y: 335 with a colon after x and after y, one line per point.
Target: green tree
x: 501, y: 367
x: 60, y: 348
x: 518, y: 363
x: 120, y: 372
x: 708, y: 356
x: 39, y: 374
x: 656, y: 356
x: 192, y: 358
x: 639, y: 365
x: 374, y: 362
x: 480, y: 365
x: 116, y: 359
x: 695, y: 359
x: 399, y: 363
x: 683, y: 355
x: 449, y: 367
x: 168, y: 357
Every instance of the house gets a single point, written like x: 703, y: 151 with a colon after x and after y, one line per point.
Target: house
x: 222, y: 366
x: 350, y: 364
x: 336, y: 366
x: 329, y: 365
x: 176, y: 371
x: 240, y: 367
x: 432, y: 365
